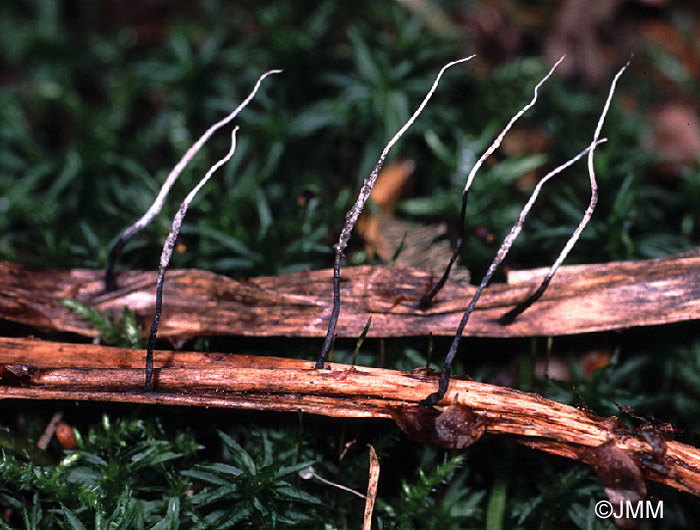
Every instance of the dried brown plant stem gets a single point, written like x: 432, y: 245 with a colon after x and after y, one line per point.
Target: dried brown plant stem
x: 354, y: 212
x: 371, y: 488
x: 167, y: 254
x: 157, y: 206
x: 624, y: 294
x: 39, y: 370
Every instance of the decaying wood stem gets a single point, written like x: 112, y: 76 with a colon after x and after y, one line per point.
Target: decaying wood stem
x: 581, y: 299
x: 34, y: 369
x: 354, y: 212
x: 157, y: 206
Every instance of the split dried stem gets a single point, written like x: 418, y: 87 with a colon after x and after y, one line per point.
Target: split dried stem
x: 67, y: 372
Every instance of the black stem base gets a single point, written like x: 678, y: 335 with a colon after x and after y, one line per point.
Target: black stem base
x: 110, y: 283
x: 427, y: 299
x: 509, y: 317
x: 328, y: 341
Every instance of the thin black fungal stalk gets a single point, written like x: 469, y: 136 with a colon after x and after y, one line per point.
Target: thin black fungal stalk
x: 167, y: 254
x: 500, y: 256
x: 427, y: 299
x: 157, y: 206
x: 354, y: 213
x: 511, y: 315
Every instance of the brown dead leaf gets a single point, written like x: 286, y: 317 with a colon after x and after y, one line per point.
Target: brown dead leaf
x: 390, y: 184
x: 594, y: 360
x: 408, y: 244
x: 371, y: 488
x: 577, y: 34
x: 663, y: 35
x: 620, y: 475
x: 675, y: 135
x: 457, y: 427
x: 558, y: 367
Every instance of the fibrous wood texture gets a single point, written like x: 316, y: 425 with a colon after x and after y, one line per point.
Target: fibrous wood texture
x: 581, y: 298
x: 34, y: 369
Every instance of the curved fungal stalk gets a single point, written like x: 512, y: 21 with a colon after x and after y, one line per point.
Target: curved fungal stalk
x: 427, y: 299
x: 511, y: 315
x: 167, y: 254
x: 157, y: 206
x: 500, y: 256
x: 354, y: 213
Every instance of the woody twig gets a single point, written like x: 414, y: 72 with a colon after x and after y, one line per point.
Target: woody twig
x: 34, y: 369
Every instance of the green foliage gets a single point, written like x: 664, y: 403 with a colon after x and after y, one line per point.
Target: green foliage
x: 251, y: 492
x: 125, y: 474
x: 660, y: 381
x: 360, y: 340
x: 438, y: 498
x: 125, y: 333
x: 568, y: 496
x: 133, y: 474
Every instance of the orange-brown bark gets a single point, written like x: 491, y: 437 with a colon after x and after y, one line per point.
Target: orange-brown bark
x: 581, y: 298
x: 33, y: 369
